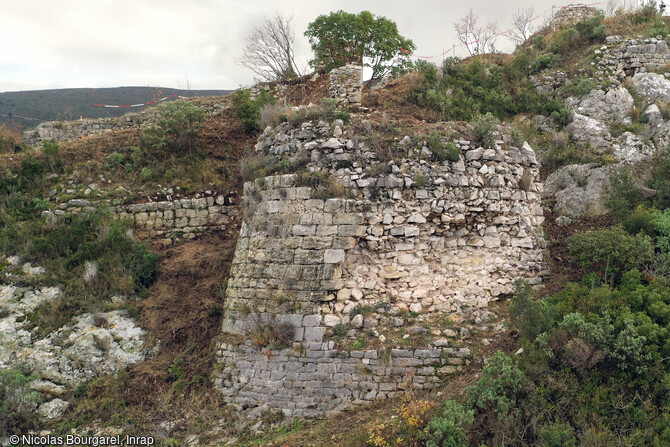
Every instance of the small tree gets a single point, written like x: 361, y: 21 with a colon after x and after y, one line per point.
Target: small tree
x: 477, y: 39
x: 373, y: 41
x: 176, y: 128
x: 521, y: 28
x: 269, y: 50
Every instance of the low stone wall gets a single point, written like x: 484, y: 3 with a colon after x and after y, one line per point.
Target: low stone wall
x: 69, y: 130
x: 313, y: 376
x: 346, y: 85
x: 170, y: 219
x: 624, y: 58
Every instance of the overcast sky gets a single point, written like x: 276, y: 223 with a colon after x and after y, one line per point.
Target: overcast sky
x: 172, y: 43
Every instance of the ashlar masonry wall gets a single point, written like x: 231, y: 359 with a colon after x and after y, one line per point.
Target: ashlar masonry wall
x: 170, y: 220
x: 413, y: 234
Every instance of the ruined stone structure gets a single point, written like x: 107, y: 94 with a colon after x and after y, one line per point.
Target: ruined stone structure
x: 624, y: 58
x: 413, y: 234
x: 572, y: 13
x: 346, y: 84
x: 170, y: 220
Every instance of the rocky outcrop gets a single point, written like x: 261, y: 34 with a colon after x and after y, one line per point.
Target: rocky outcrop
x: 654, y: 87
x: 578, y: 191
x: 597, y: 115
x: 86, y: 347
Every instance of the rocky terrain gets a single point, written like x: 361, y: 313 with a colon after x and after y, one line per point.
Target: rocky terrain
x: 356, y: 267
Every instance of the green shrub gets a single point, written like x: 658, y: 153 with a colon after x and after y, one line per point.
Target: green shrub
x: 468, y: 89
x: 581, y: 87
x: 483, y: 129
x: 146, y: 174
x: 623, y: 194
x: 447, y: 151
x: 539, y: 42
x: 499, y: 387
x: 450, y: 428
x: 659, y: 28
x: 420, y: 180
x: 248, y: 109
x: 545, y: 61
x: 114, y: 160
x: 17, y: 403
x: 530, y: 317
x: 645, y: 14
x: 176, y: 128
x: 51, y: 151
x: 611, y: 251
x: 558, y: 435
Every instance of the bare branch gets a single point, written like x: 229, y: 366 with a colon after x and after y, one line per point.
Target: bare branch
x: 476, y: 39
x: 521, y: 25
x: 269, y: 50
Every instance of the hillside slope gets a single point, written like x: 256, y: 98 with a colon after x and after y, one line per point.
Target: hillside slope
x: 116, y: 251
x: 29, y: 108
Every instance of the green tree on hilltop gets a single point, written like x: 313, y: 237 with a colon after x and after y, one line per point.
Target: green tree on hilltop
x: 373, y: 41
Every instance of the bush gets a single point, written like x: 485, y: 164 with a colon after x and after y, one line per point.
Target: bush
x: 645, y: 14
x: 611, y: 251
x: 545, y: 61
x: 10, y: 138
x: 581, y: 87
x: 51, y: 152
x: 483, y: 129
x: 558, y: 435
x: 499, y: 387
x: 248, y: 109
x: 448, y: 151
x: 623, y: 195
x: 176, y: 128
x: 17, y: 403
x: 450, y: 428
x: 530, y: 317
x: 114, y: 160
x: 659, y: 28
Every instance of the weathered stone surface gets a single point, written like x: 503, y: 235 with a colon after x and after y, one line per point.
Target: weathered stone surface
x: 579, y: 191
x: 655, y: 87
x: 54, y: 409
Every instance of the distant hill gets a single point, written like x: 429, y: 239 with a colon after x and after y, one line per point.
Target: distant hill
x: 29, y: 108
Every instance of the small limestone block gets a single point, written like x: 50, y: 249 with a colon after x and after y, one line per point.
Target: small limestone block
x: 331, y: 320
x: 333, y: 256
x: 314, y: 334
x: 311, y: 320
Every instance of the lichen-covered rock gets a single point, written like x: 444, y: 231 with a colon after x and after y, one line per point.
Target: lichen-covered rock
x: 89, y: 346
x: 654, y: 87
x: 578, y: 191
x: 54, y: 409
x: 588, y: 130
x: 615, y: 105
